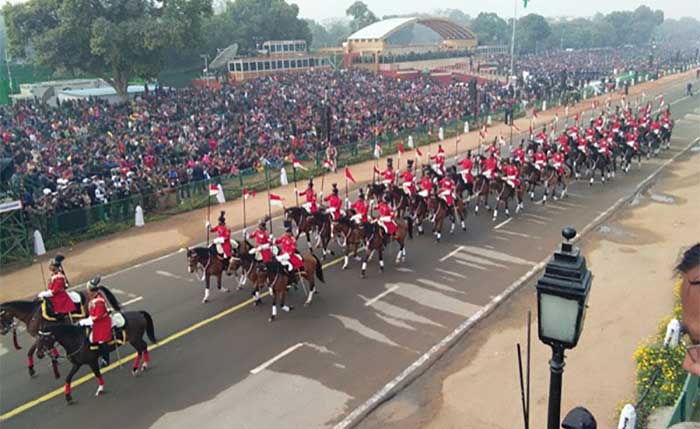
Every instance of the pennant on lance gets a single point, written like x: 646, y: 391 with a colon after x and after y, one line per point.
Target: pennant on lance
x: 349, y: 176
x: 276, y: 199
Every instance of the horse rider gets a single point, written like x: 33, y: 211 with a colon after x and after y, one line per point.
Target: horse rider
x: 386, y: 218
x: 335, y: 206
x: 223, y: 238
x: 99, y: 319
x: 603, y: 147
x: 446, y: 190
x: 557, y: 160
x: 361, y: 209
x: 309, y: 195
x: 439, y: 161
x: 492, y: 150
x: 57, y: 293
x: 262, y: 243
x: 539, y: 159
x: 425, y: 184
x: 488, y: 167
x: 388, y: 175
x: 288, y: 255
x: 511, y: 173
x: 518, y: 155
x: 408, y: 183
x: 466, y: 166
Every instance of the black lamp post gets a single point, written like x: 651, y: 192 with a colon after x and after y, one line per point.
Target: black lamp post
x: 562, y: 294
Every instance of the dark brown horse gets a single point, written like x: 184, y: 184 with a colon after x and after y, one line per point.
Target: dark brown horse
x: 279, y: 280
x: 206, y: 260
x: 350, y: 235
x: 79, y: 351
x: 482, y: 189
x: 375, y: 239
x: 35, y: 317
x: 442, y: 211
x: 504, y: 193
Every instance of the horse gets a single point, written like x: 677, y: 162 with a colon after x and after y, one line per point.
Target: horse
x: 251, y: 269
x: 421, y: 211
x: 76, y: 343
x: 353, y: 236
x: 482, y: 189
x: 441, y: 211
x: 375, y: 241
x: 32, y: 314
x: 600, y: 163
x: 279, y: 279
x: 553, y: 178
x: 206, y: 260
x: 504, y: 193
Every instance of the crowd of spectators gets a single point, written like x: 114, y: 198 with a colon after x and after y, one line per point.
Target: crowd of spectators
x: 88, y: 152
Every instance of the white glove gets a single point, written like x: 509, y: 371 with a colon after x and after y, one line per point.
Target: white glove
x: 85, y: 322
x: 45, y: 294
x: 207, y: 224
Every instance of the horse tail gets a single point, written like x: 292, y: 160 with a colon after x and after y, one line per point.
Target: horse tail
x: 319, y: 269
x: 110, y: 298
x: 409, y: 220
x: 150, y: 330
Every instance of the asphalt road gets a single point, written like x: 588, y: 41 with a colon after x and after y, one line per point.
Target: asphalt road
x: 223, y: 365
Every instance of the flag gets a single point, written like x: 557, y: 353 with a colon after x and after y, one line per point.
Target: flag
x: 577, y: 117
x: 348, y: 175
x: 400, y: 148
x: 534, y: 113
x: 247, y: 193
x: 530, y: 130
x: 377, y: 150
x: 376, y: 170
x: 213, y: 190
x: 328, y: 164
x: 275, y: 199
x: 295, y: 162
x: 483, y: 132
x: 220, y: 198
x: 418, y: 152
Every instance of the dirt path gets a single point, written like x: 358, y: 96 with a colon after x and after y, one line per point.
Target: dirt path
x: 126, y: 249
x: 476, y: 384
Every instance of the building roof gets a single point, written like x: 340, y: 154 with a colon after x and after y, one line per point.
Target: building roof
x: 382, y: 29
x: 103, y: 91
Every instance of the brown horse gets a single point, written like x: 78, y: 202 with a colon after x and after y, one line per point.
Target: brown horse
x: 205, y: 259
x: 375, y: 239
x: 504, y: 193
x: 279, y: 280
x: 421, y: 211
x: 563, y: 180
x: 482, y: 189
x: 352, y: 236
x: 250, y: 269
x: 442, y: 211
x: 35, y: 318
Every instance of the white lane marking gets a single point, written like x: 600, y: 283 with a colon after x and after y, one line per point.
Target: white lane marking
x: 131, y: 301
x: 470, y: 257
x: 379, y: 396
x: 439, y: 286
x: 575, y: 195
x: 276, y: 358
x: 518, y: 234
x: 173, y: 276
x: 404, y: 270
x: 567, y: 204
x: 679, y: 100
x: 365, y: 331
x: 3, y: 349
x: 470, y: 265
x: 500, y: 238
x: 556, y: 207
x: 505, y: 222
x: 451, y: 254
x: 380, y: 296
x: 450, y: 273
x: 395, y: 322
x: 396, y: 312
x: 437, y: 300
x: 536, y: 221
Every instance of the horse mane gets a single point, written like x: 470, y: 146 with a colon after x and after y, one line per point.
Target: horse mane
x: 345, y: 220
x: 63, y: 329
x: 113, y: 302
x: 23, y: 306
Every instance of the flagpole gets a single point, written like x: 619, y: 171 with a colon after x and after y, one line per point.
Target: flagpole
x: 347, y: 200
x: 269, y: 204
x: 296, y: 190
x: 512, y: 42
x: 244, y: 223
x: 208, y: 210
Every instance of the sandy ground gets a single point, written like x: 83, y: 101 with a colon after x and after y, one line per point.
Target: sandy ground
x: 476, y: 384
x: 126, y: 249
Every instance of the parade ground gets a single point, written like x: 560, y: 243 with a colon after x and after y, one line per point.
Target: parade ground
x: 221, y: 364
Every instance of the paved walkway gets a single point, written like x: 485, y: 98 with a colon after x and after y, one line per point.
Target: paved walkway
x: 126, y: 249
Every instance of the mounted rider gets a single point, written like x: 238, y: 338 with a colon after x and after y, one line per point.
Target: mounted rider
x: 556, y: 159
x: 263, y: 244
x: 446, y: 190
x: 388, y: 175
x: 361, y: 209
x: 223, y: 238
x: 288, y: 255
x: 425, y: 184
x: 335, y: 206
x: 100, y: 319
x: 511, y: 172
x: 310, y: 204
x: 466, y: 166
x: 57, y: 293
x: 518, y: 155
x: 488, y: 167
x: 386, y: 218
x: 408, y: 183
x: 539, y: 160
x: 438, y: 161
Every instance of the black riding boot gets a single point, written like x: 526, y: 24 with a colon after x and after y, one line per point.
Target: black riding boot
x: 104, y: 354
x: 226, y: 261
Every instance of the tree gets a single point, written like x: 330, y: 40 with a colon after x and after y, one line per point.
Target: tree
x: 490, y: 29
x: 251, y: 22
x: 531, y: 33
x: 683, y: 32
x: 114, y: 40
x: 361, y: 16
x: 319, y: 34
x: 455, y: 15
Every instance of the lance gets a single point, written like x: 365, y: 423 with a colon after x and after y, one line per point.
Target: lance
x: 245, y: 196
x: 296, y: 190
x: 208, y: 209
x: 347, y: 200
x: 269, y: 204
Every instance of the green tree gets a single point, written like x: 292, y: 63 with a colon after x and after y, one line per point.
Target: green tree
x: 319, y: 34
x: 361, y: 16
x: 683, y: 32
x: 114, y: 40
x: 490, y: 29
x: 531, y: 33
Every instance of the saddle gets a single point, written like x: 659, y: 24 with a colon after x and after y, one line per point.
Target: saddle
x: 119, y: 335
x: 48, y: 314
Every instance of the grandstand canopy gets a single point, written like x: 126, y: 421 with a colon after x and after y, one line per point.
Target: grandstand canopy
x: 381, y: 30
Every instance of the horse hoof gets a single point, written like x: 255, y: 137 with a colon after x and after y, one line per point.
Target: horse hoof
x: 271, y: 319
x: 257, y: 303
x: 224, y: 290
x: 69, y: 399
x: 135, y: 372
x: 32, y: 372
x: 204, y: 301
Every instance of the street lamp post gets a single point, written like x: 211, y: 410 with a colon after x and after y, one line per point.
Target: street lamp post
x: 562, y: 296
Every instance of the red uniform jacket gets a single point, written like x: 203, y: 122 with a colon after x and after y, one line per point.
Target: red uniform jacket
x: 223, y: 232
x: 388, y: 175
x: 61, y: 302
x: 409, y: 181
x: 288, y: 246
x: 335, y: 203
x: 310, y: 197
x: 261, y: 238
x: 466, y: 165
x: 447, y: 187
x: 386, y: 212
x: 101, y: 322
x: 361, y: 207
